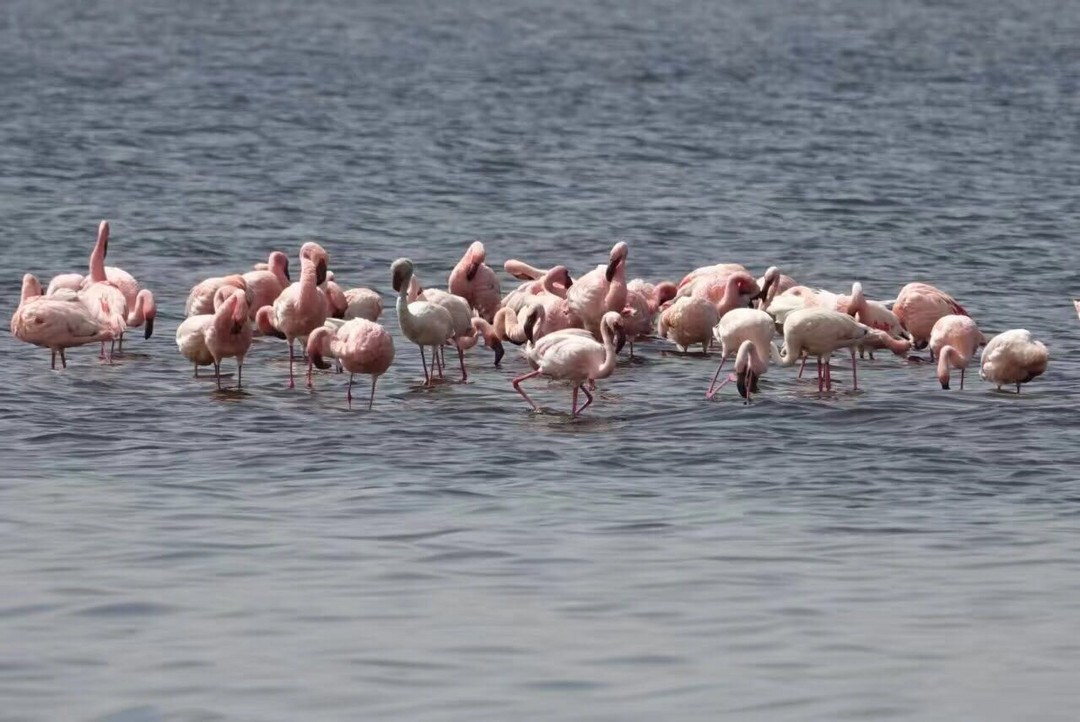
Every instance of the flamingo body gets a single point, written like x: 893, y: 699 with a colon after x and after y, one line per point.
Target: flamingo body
x: 1013, y: 357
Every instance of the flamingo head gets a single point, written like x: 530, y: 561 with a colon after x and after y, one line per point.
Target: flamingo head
x: 279, y: 265
x: 265, y: 323
x: 617, y: 258
x: 665, y: 291
x: 317, y: 255
x: 474, y: 257
x: 30, y: 286
x: 491, y: 339
x: 771, y: 278
x: 561, y: 275
x: 745, y: 378
x: 534, y: 316
x: 401, y: 271
x: 149, y: 309
x: 614, y: 322
x: 318, y: 345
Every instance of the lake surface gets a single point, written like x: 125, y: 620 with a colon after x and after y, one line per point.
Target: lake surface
x: 171, y: 553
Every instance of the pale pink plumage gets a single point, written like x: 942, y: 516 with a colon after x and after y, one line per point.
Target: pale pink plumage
x: 600, y: 291
x: 953, y: 341
x: 266, y: 284
x: 473, y: 280
x: 817, y: 332
x: 739, y: 327
x: 361, y: 346
x: 1013, y: 357
x: 919, y: 306
x: 55, y: 323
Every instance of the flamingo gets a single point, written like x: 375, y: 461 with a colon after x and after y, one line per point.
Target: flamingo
x: 1013, y: 357
x: 191, y: 333
x: 919, y: 306
x: 143, y: 312
x: 818, y: 332
x: 266, y: 284
x: 122, y: 280
x: 363, y: 303
x: 575, y: 358
x: 55, y: 323
x: 555, y: 281
x: 601, y: 290
x: 335, y: 297
x: 359, y: 345
x: 229, y: 335
x: 690, y: 320
x: 643, y: 302
x: 750, y: 328
x: 200, y: 300
x: 773, y: 283
x: 719, y: 269
x: 300, y: 309
x: 473, y: 280
x: 953, y: 341
x: 101, y: 297
x: 70, y: 281
x: 423, y: 323
x: 463, y: 334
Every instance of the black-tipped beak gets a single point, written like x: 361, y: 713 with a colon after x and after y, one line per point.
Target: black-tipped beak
x: 149, y: 328
x: 740, y: 383
x: 944, y: 385
x: 611, y: 268
x: 530, y: 326
x: 320, y: 272
x: 620, y: 339
x: 470, y: 272
x: 319, y: 361
x: 237, y: 327
x: 569, y: 281
x: 287, y: 276
x: 499, y: 351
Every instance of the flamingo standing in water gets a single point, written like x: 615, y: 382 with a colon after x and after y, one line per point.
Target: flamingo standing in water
x: 363, y: 303
x: 473, y: 280
x: 335, y: 297
x: 919, y: 306
x: 1013, y: 357
x: 300, y: 309
x: 423, y: 323
x: 772, y: 284
x: 229, y: 336
x: 555, y: 281
x: 818, y: 332
x: 361, y: 346
x: 690, y: 320
x: 464, y: 332
x: 266, y: 284
x: 200, y: 300
x: 55, y: 323
x: 953, y: 341
x: 100, y: 296
x: 576, y: 358
x: 643, y: 302
x: 601, y: 290
x: 747, y: 333
x: 191, y: 333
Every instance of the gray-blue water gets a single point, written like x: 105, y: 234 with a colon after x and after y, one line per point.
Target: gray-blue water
x: 167, y: 553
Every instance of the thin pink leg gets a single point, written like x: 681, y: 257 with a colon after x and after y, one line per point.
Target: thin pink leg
x: 217, y: 374
x: 54, y: 359
x: 573, y: 404
x: 962, y: 378
x: 64, y: 360
x: 712, y: 387
x: 517, y: 387
x: 820, y: 376
x: 588, y: 399
x: 309, y: 374
x: 348, y: 391
x: 461, y: 357
x: 427, y: 379
x: 803, y: 366
x: 371, y: 401
x: 828, y: 374
x: 854, y: 373
x: 292, y: 382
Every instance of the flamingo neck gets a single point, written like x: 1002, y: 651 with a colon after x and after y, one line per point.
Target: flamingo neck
x: 30, y: 289
x: 609, y: 353
x: 730, y: 299
x: 97, y: 261
x: 404, y: 315
x: 550, y: 286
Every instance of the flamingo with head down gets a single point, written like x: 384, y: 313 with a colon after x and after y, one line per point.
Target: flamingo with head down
x: 600, y: 291
x: 818, y: 332
x: 746, y: 333
x: 1014, y: 357
x: 54, y: 322
x: 361, y: 346
x: 953, y: 342
x: 473, y: 280
x: 919, y: 306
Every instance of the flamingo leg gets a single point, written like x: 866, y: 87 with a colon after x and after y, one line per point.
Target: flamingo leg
x: 292, y: 383
x: 371, y: 401
x: 120, y: 348
x: 54, y: 359
x: 820, y: 376
x: 461, y: 357
x: 573, y: 404
x: 1017, y: 388
x: 348, y: 391
x: 217, y: 374
x: 239, y: 375
x: 712, y: 387
x: 854, y: 373
x: 101, y: 354
x: 588, y: 399
x: 962, y: 378
x: 427, y: 379
x: 803, y: 366
x: 828, y: 374
x: 196, y: 371
x: 631, y: 341
x: 63, y: 360
x: 516, y: 383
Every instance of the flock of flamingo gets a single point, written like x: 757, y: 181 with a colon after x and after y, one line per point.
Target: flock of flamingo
x: 569, y: 329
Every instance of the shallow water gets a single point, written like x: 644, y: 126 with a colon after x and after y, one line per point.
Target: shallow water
x: 172, y: 553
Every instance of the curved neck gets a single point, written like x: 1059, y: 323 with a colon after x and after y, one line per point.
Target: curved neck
x: 551, y: 287
x: 522, y: 271
x: 138, y: 313
x: 404, y: 315
x: 609, y: 353
x: 97, y: 258
x: 30, y: 289
x: 730, y: 299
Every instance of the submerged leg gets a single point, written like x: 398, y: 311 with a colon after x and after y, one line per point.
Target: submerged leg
x: 371, y: 401
x: 461, y: 357
x: 962, y: 378
x: 803, y: 366
x: 292, y: 382
x: 239, y: 374
x: 712, y: 387
x: 573, y: 403
x: 516, y: 383
x: 217, y: 374
x: 348, y: 391
x: 588, y: 399
x: 63, y: 359
x: 427, y: 379
x: 854, y: 373
x: 54, y: 359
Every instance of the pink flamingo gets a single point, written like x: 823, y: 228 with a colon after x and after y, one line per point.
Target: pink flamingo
x: 772, y: 284
x: 69, y: 281
x: 54, y: 323
x: 747, y: 333
x: 363, y: 303
x: 719, y: 269
x: 463, y: 334
x: 423, y: 323
x: 575, y: 358
x: 266, y: 284
x: 601, y: 290
x: 299, y: 310
x: 473, y: 280
x: 953, y: 341
x: 200, y: 300
x: 101, y: 297
x: 690, y: 320
x: 143, y: 312
x: 919, y: 306
x: 335, y: 297
x: 229, y: 335
x: 555, y: 281
x: 818, y: 332
x: 643, y: 302
x: 191, y: 333
x: 122, y: 280
x: 361, y: 346
x: 1013, y: 357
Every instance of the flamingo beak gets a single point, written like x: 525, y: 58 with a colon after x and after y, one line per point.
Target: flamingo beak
x: 741, y: 383
x: 568, y: 282
x: 611, y: 268
x: 149, y: 328
x: 620, y: 339
x: 398, y: 279
x: 320, y: 272
x: 470, y: 272
x: 499, y: 351
x: 287, y: 276
x: 530, y: 327
x: 319, y: 361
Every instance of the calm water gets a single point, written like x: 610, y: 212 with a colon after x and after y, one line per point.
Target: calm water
x: 169, y: 553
